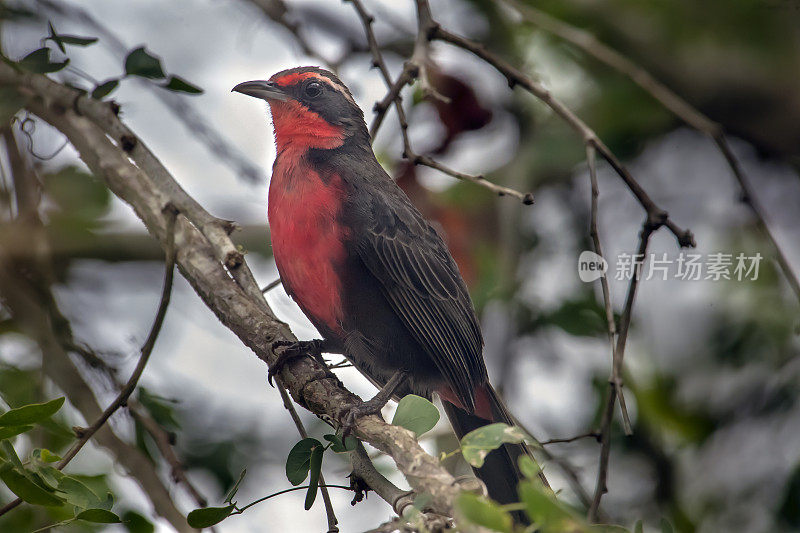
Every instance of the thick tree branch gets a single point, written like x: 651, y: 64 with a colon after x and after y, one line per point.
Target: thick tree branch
x: 208, y: 259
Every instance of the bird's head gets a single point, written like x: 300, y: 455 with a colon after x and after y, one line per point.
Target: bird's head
x: 311, y: 108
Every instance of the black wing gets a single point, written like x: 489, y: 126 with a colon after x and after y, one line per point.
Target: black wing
x: 424, y: 287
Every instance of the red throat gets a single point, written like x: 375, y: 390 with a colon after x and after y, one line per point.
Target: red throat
x: 298, y: 126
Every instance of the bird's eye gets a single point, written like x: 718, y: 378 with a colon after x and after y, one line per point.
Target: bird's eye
x: 313, y: 89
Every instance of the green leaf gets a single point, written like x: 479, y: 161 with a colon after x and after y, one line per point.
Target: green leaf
x: 29, y: 414
x: 315, y: 467
x: 10, y: 453
x: 231, y: 493
x: 49, y: 475
x: 78, y: 494
x: 45, y: 455
x: 55, y: 38
x: 638, y: 527
x: 545, y: 510
x: 298, y: 461
x: 666, y: 527
x: 98, y: 516
x: 105, y: 88
x: 29, y: 491
x: 77, y: 41
x: 180, y: 85
x: 208, y: 516
x: 339, y: 445
x: 139, y: 62
x: 528, y: 467
x: 483, y: 512
x: 60, y: 40
x: 136, y: 523
x: 39, y: 62
x: 416, y: 414
x: 477, y: 444
x: 160, y: 408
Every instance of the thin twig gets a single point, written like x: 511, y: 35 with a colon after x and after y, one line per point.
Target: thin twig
x: 616, y: 378
x: 749, y: 198
x: 277, y: 11
x: 670, y: 100
x: 284, y: 491
x: 611, y: 396
x: 657, y: 217
x: 363, y: 466
x: 287, y: 403
x: 169, y: 272
x: 413, y: 69
x: 181, y: 108
x: 592, y: 434
x: 164, y: 445
x: 85, y: 434
x: 526, y: 197
x: 271, y: 286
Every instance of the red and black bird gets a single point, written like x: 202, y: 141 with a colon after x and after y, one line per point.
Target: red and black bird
x: 367, y: 269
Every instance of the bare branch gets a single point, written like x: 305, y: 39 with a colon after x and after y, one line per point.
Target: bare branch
x: 35, y: 321
x: 271, y: 285
x: 278, y: 12
x: 181, y: 108
x: 592, y: 434
x: 164, y: 445
x: 670, y: 100
x: 611, y: 396
x: 415, y: 68
x: 657, y: 217
x: 169, y: 271
x: 616, y: 378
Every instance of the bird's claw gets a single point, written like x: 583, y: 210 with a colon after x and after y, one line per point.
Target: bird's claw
x: 293, y: 350
x: 357, y: 411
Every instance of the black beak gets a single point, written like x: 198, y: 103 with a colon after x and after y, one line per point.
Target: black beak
x: 266, y: 90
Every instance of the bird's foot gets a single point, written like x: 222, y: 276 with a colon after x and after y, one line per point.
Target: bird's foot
x: 372, y: 406
x: 292, y: 350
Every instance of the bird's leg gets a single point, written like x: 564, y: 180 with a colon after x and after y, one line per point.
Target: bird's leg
x: 374, y: 405
x: 293, y: 350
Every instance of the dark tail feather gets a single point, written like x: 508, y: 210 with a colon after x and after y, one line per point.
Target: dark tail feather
x: 500, y: 472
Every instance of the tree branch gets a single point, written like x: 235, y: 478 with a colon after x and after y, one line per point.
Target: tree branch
x: 326, y: 497
x: 616, y: 378
x: 33, y: 319
x: 670, y: 100
x: 415, y: 68
x: 85, y: 434
x: 611, y: 396
x: 657, y: 217
x: 203, y: 257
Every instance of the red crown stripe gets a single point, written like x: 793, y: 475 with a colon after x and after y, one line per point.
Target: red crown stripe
x: 291, y: 79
